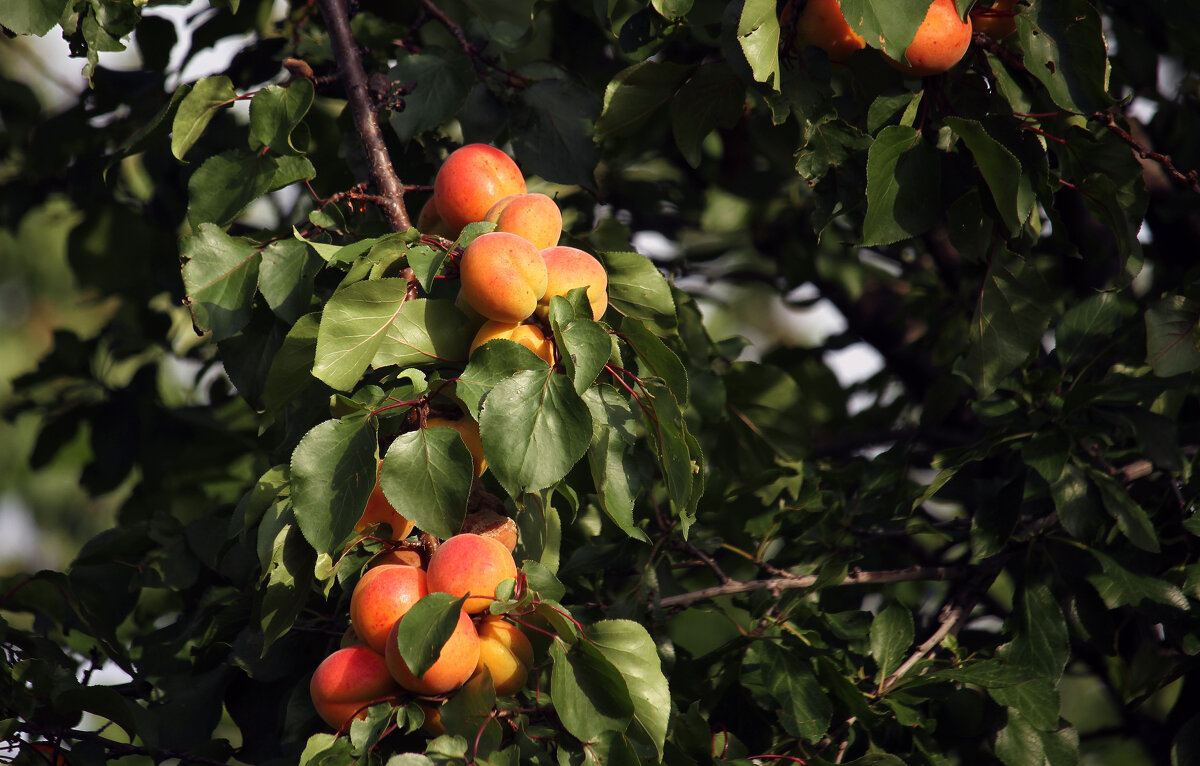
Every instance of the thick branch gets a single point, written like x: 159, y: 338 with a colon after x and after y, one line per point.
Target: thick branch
x: 807, y: 581
x: 354, y: 81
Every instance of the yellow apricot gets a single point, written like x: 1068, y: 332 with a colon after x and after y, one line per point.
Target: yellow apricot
x: 533, y: 216
x: 570, y: 267
x: 379, y: 510
x: 506, y: 652
x: 823, y: 25
x: 503, y: 276
x: 940, y: 43
x: 472, y: 179
x: 455, y: 664
x: 527, y: 335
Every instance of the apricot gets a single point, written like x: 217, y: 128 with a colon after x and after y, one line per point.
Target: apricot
x: 469, y: 564
x: 454, y: 665
x: 429, y: 221
x: 347, y: 680
x: 506, y: 652
x: 503, y: 276
x: 533, y: 216
x: 379, y: 510
x: 570, y: 267
x: 527, y: 335
x: 469, y: 431
x: 823, y: 25
x: 940, y: 43
x: 472, y: 179
x: 997, y: 21
x: 432, y: 725
x: 382, y: 596
x: 404, y: 556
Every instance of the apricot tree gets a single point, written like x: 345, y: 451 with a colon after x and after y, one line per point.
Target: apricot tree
x: 288, y: 338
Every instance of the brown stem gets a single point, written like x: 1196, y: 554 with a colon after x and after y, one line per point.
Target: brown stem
x: 354, y: 81
x: 1192, y: 178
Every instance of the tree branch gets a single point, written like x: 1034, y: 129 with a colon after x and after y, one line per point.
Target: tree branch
x: 1191, y: 178
x: 354, y: 81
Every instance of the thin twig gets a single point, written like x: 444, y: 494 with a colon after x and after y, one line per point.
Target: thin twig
x: 1191, y: 178
x: 951, y: 617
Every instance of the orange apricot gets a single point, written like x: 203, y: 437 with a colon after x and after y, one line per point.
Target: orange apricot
x: 455, y: 664
x: 527, y: 335
x: 403, y: 556
x: 472, y: 179
x: 347, y: 680
x: 503, y: 276
x: 429, y: 221
x: 468, y: 429
x: 469, y: 564
x: 570, y: 267
x: 533, y: 216
x: 383, y: 595
x: 379, y: 510
x: 823, y: 25
x: 506, y: 652
x: 940, y: 43
x: 997, y: 21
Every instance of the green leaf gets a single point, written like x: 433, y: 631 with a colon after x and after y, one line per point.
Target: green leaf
x: 672, y: 9
x: 1019, y: 743
x: 985, y: 673
x: 31, y: 17
x: 712, y: 98
x: 425, y: 629
x: 275, y: 111
x: 589, y: 694
x: 354, y: 324
x: 1040, y: 639
x: 891, y: 637
x: 541, y: 532
x: 504, y: 24
x: 666, y: 430
x: 197, y: 109
x: 612, y: 463
x: 635, y: 94
x: 1064, y: 47
x: 1011, y: 187
x: 583, y: 345
x: 491, y: 363
x: 1037, y: 700
x: 1090, y: 326
x: 289, y: 579
x: 291, y: 369
x: 427, y: 476
x: 1132, y: 519
x: 655, y: 359
x: 1011, y: 315
x: 326, y: 750
x: 1119, y: 587
x: 427, y: 331
x: 889, y: 24
x: 758, y: 36
x: 426, y: 262
x: 637, y: 290
x: 286, y: 276
x: 226, y: 183
x: 1185, y: 750
x: 219, y: 275
x: 805, y: 710
x: 333, y: 470
x: 630, y: 649
x: 441, y: 79
x: 534, y: 429
x: 552, y: 132
x: 904, y: 196
x: 1077, y: 510
x: 1171, y: 336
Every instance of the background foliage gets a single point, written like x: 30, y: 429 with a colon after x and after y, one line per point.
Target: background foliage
x: 983, y: 552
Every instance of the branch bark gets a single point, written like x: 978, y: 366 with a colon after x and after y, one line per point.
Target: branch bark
x: 362, y: 110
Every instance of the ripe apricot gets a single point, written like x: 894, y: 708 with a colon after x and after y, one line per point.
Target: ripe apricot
x: 503, y: 276
x: 570, y: 267
x: 429, y: 221
x: 468, y: 429
x: 823, y: 25
x: 940, y: 43
x: 348, y: 679
x: 469, y: 564
x: 404, y: 556
x: 379, y: 510
x: 506, y: 652
x: 455, y: 664
x: 533, y: 216
x: 472, y: 179
x: 527, y: 335
x: 382, y: 596
x: 997, y: 21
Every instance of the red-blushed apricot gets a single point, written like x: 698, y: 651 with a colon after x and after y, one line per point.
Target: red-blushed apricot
x: 823, y: 25
x: 997, y: 21
x: 382, y: 596
x: 472, y: 179
x: 452, y: 668
x: 347, y: 680
x: 533, y: 216
x: 503, y: 276
x: 468, y: 429
x: 940, y: 43
x: 473, y: 565
x: 506, y: 652
x: 379, y: 510
x: 429, y: 221
x: 570, y: 267
x: 527, y: 335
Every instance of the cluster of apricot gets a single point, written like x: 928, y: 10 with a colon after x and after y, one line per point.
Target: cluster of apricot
x: 940, y: 41
x: 371, y: 668
x: 509, y: 275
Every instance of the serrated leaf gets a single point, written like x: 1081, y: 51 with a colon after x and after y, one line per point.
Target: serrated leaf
x: 1019, y: 743
x: 1011, y: 187
x: 758, y: 36
x: 1064, y: 47
x: 427, y: 331
x: 891, y: 638
x: 1131, y: 518
x: 629, y: 647
x: 31, y: 17
x: 425, y: 629
x: 635, y: 94
x: 426, y: 476
x: 589, y: 694
x: 275, y: 111
x: 1118, y: 586
x: 1010, y: 317
x: 220, y: 273
x: 199, y: 106
x: 1037, y: 700
x: 426, y: 262
x: 1040, y: 639
x: 889, y: 24
x: 904, y: 196
x: 534, y: 429
x: 583, y: 345
x: 441, y: 79
x: 333, y: 471
x: 552, y: 132
x: 491, y: 363
x: 1171, y: 332
x: 354, y: 324
x: 286, y: 276
x: 610, y: 459
x: 985, y: 673
x: 805, y: 709
x: 636, y: 289
x: 226, y: 183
